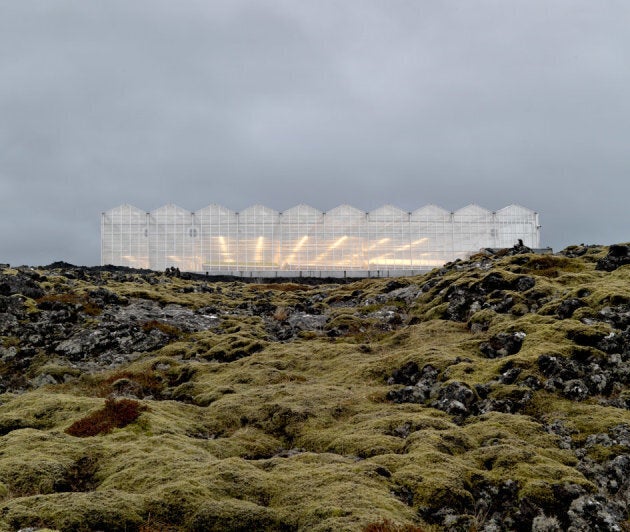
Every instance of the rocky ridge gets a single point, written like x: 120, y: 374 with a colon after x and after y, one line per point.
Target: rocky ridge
x: 491, y: 394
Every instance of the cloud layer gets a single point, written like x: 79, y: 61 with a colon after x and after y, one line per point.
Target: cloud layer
x: 240, y: 102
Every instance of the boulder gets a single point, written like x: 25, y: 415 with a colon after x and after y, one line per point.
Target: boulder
x: 502, y: 345
x: 618, y: 255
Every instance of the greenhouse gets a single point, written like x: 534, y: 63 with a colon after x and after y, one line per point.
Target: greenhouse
x: 305, y: 241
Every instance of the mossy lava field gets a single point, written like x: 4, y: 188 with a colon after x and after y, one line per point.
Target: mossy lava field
x: 490, y: 394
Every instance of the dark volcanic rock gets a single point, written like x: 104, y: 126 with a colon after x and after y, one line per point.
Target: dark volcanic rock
x: 455, y: 398
x: 618, y: 316
x: 576, y: 390
x: 594, y: 512
x: 490, y: 292
x: 408, y: 374
x: 588, y: 372
x: 20, y: 284
x: 502, y: 345
x: 618, y: 255
x: 568, y: 307
x: 420, y: 384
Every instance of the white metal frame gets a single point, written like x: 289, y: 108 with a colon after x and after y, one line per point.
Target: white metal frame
x: 304, y: 239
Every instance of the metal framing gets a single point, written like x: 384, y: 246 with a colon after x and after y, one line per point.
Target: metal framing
x: 304, y: 239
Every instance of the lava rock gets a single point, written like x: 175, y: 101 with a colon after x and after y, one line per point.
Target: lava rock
x: 576, y: 390
x: 618, y: 316
x: 594, y: 512
x: 502, y: 345
x: 408, y: 374
x: 509, y: 376
x: 568, y: 307
x: 394, y: 285
x: 420, y: 384
x: 20, y: 284
x: 618, y: 255
x: 460, y: 304
x: 455, y: 398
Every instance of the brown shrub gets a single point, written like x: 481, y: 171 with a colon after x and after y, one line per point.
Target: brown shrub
x: 115, y: 414
x: 91, y: 309
x: 53, y: 301
x: 67, y: 298
x: 280, y: 314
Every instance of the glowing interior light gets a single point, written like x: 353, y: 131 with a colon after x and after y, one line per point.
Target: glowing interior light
x: 223, y: 245
x: 379, y: 259
x: 300, y: 243
x: 334, y: 245
x: 391, y: 262
x: 415, y: 243
x: 338, y: 242
x: 134, y: 237
x: 379, y: 243
x: 259, y: 248
x: 291, y: 258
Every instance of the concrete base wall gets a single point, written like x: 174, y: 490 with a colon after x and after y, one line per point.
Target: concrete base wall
x: 334, y: 274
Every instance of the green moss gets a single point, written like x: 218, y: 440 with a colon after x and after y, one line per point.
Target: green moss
x: 232, y: 347
x: 58, y: 370
x: 40, y: 410
x: 234, y: 514
x: 183, y: 350
x: 10, y: 341
x: 250, y: 432
x: 102, y: 510
x: 551, y: 265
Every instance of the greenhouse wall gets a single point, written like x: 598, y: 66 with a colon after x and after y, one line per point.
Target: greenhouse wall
x: 304, y: 240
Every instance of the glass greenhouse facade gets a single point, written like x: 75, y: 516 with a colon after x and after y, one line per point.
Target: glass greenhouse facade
x: 305, y: 241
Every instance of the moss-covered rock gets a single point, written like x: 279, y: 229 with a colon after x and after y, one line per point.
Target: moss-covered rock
x: 491, y: 392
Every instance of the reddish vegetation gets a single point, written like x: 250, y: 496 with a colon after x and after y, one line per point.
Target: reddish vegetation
x: 69, y: 298
x: 50, y: 301
x: 114, y: 415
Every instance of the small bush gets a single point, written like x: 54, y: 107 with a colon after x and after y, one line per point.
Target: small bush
x: 115, y: 414
x: 59, y: 301
x: 280, y: 314
x: 91, y: 309
x: 68, y: 298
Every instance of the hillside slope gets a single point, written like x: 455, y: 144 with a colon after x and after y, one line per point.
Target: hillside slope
x: 491, y: 394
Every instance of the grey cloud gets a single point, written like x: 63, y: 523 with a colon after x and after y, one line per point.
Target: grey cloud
x: 282, y: 102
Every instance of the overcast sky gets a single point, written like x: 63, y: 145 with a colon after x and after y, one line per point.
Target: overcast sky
x: 322, y: 102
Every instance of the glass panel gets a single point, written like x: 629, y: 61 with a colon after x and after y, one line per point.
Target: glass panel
x: 124, y: 237
x: 301, y: 238
x: 171, y: 243
x: 305, y: 239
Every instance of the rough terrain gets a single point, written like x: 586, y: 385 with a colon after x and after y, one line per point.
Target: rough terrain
x: 491, y: 394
